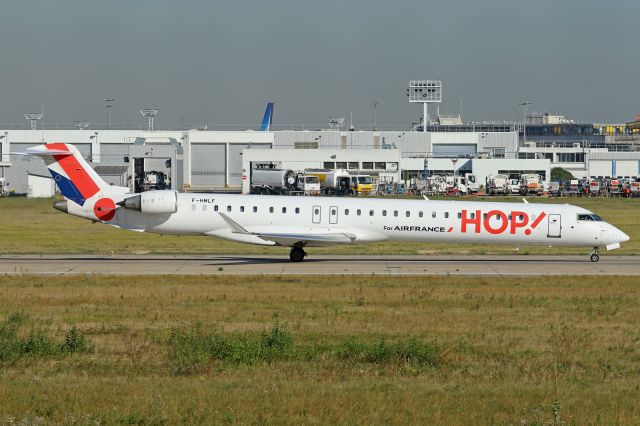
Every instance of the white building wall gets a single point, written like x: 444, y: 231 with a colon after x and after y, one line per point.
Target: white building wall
x: 40, y: 187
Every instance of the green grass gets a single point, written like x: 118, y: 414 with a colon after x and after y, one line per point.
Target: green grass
x: 34, y: 227
x: 323, y: 350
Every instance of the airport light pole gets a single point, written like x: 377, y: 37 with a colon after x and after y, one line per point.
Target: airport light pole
x: 524, y: 120
x: 374, y: 105
x: 150, y: 113
x: 108, y: 104
x: 94, y: 136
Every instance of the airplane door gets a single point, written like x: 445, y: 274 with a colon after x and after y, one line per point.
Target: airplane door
x: 555, y: 226
x: 333, y: 215
x: 316, y: 214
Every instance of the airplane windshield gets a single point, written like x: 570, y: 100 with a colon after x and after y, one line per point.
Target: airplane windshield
x: 590, y: 217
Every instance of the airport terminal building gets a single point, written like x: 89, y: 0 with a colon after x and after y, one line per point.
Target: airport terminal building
x: 196, y: 160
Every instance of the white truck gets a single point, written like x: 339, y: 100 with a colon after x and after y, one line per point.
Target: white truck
x: 531, y: 184
x: 498, y: 184
x: 338, y: 181
x: 465, y: 184
x: 283, y: 182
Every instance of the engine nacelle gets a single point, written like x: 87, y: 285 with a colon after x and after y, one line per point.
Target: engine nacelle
x: 153, y: 202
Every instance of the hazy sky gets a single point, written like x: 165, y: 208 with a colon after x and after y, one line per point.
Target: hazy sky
x: 219, y: 61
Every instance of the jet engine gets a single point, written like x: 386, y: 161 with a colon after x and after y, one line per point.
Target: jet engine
x: 153, y: 202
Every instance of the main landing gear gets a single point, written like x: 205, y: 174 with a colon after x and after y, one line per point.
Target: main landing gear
x: 595, y: 256
x: 297, y: 254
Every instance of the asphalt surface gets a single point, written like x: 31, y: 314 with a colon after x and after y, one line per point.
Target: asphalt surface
x: 522, y: 265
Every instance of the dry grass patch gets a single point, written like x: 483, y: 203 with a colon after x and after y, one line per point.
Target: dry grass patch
x: 326, y: 349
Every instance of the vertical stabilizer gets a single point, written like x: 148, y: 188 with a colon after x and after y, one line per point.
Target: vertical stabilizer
x: 268, y: 118
x: 75, y: 178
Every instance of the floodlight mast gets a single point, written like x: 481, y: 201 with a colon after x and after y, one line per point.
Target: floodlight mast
x: 33, y: 118
x: 335, y: 122
x: 374, y: 105
x: 150, y: 113
x: 425, y: 92
x: 108, y: 104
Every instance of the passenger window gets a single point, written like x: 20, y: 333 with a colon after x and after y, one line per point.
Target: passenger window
x: 242, y: 209
x: 484, y: 216
x: 520, y: 217
x: 284, y: 210
x: 395, y: 213
x: 420, y: 214
x: 473, y: 215
x: 346, y: 212
x: 297, y: 210
x: 215, y: 208
x: 433, y: 215
x: 316, y: 211
x: 459, y: 215
x: 384, y: 212
x: 446, y: 215
x: 228, y: 208
x: 270, y: 209
x: 255, y: 209
x: 509, y: 217
x: 370, y: 212
x: 408, y: 213
x: 358, y: 212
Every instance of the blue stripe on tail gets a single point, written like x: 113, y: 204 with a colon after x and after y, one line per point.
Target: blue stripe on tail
x: 67, y: 188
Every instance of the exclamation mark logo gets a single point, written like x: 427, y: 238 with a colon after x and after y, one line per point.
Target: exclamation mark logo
x: 535, y: 223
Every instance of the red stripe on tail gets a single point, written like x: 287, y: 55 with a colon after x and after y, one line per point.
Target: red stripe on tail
x: 75, y: 172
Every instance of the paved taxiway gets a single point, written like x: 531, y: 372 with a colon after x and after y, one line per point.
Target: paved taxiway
x: 319, y: 264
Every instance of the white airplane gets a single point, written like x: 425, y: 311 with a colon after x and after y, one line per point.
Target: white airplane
x: 300, y: 222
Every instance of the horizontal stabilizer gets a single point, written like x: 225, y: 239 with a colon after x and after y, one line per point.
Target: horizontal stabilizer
x: 49, y: 152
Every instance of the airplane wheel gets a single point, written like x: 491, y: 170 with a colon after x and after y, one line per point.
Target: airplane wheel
x: 297, y: 254
x: 595, y: 257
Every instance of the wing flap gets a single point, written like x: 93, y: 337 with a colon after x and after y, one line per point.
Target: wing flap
x: 289, y: 239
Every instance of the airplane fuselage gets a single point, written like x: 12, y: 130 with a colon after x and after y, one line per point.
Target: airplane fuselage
x: 367, y: 220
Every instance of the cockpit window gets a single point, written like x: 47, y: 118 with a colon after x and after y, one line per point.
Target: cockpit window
x: 590, y: 217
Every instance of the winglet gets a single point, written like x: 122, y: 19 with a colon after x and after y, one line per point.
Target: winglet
x: 236, y: 228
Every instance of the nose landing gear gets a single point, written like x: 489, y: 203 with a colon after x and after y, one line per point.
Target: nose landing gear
x: 297, y: 254
x: 595, y: 256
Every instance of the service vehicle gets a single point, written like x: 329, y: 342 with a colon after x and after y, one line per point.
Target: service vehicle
x: 498, y: 184
x: 283, y: 182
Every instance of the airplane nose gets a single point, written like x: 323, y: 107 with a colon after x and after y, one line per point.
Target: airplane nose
x: 623, y: 237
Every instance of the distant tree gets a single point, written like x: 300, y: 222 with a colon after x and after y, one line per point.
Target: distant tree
x: 560, y: 173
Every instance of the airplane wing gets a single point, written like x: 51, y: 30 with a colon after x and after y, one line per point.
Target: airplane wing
x: 293, y: 238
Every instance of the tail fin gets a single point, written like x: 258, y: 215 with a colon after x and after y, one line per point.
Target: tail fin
x: 76, y: 180
x: 268, y: 118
